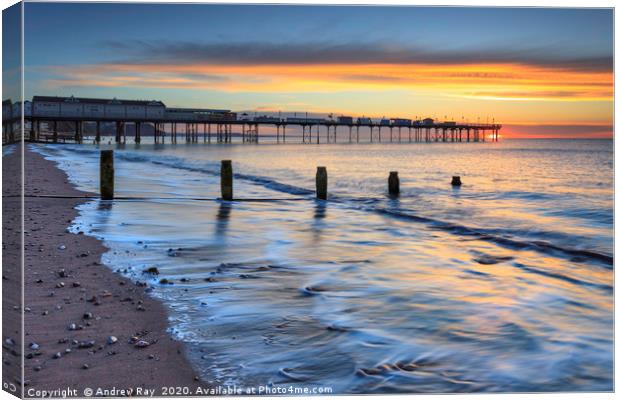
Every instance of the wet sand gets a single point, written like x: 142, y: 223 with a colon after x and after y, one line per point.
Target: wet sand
x: 73, y: 304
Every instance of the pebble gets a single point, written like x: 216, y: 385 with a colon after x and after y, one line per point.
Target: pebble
x: 88, y: 315
x: 151, y: 270
x: 57, y: 355
x: 34, y: 346
x: 62, y: 247
x: 76, y: 284
x: 60, y: 285
x: 9, y: 342
x: 86, y: 345
x: 112, y: 339
x: 142, y: 344
x: 85, y: 366
x: 72, y: 327
x: 62, y: 273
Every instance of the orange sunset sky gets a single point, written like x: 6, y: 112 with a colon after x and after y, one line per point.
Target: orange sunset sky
x: 539, y: 72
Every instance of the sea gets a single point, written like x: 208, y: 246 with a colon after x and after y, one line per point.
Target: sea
x: 504, y: 284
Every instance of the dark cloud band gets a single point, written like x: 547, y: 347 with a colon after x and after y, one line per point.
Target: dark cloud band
x: 309, y: 53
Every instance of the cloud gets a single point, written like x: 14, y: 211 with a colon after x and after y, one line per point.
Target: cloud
x: 469, y: 81
x: 594, y: 94
x: 330, y: 53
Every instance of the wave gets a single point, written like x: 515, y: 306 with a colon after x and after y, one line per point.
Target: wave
x: 371, y: 204
x: 462, y: 230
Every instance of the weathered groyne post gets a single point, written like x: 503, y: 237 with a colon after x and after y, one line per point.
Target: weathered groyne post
x: 321, y: 183
x: 226, y: 180
x: 456, y: 181
x: 106, y: 174
x: 393, y: 184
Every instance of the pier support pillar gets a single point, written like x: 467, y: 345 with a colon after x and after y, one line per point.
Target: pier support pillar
x: 32, y: 132
x: 106, y: 175
x: 137, y: 138
x: 393, y: 184
x: 117, y: 136
x: 321, y: 183
x: 226, y: 180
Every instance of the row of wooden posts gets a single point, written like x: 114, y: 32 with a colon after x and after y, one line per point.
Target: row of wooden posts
x: 106, y: 179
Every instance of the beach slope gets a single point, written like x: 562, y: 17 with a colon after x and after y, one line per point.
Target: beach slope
x: 86, y: 326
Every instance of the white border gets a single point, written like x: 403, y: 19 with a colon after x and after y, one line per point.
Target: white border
x: 482, y: 3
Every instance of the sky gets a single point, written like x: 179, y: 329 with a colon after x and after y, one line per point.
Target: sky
x: 541, y: 72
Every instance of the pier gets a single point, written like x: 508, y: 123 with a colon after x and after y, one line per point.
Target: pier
x: 44, y: 116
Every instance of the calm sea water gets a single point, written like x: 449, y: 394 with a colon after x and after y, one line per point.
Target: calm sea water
x: 505, y: 284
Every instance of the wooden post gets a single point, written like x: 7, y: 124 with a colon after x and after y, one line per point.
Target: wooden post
x: 226, y: 180
x: 321, y: 183
x: 393, y: 183
x: 98, y: 137
x: 106, y: 174
x: 456, y: 181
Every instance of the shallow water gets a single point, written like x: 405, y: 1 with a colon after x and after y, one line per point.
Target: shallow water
x: 505, y: 284
x: 8, y: 149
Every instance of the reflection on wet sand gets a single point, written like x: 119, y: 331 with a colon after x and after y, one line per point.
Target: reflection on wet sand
x: 223, y: 218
